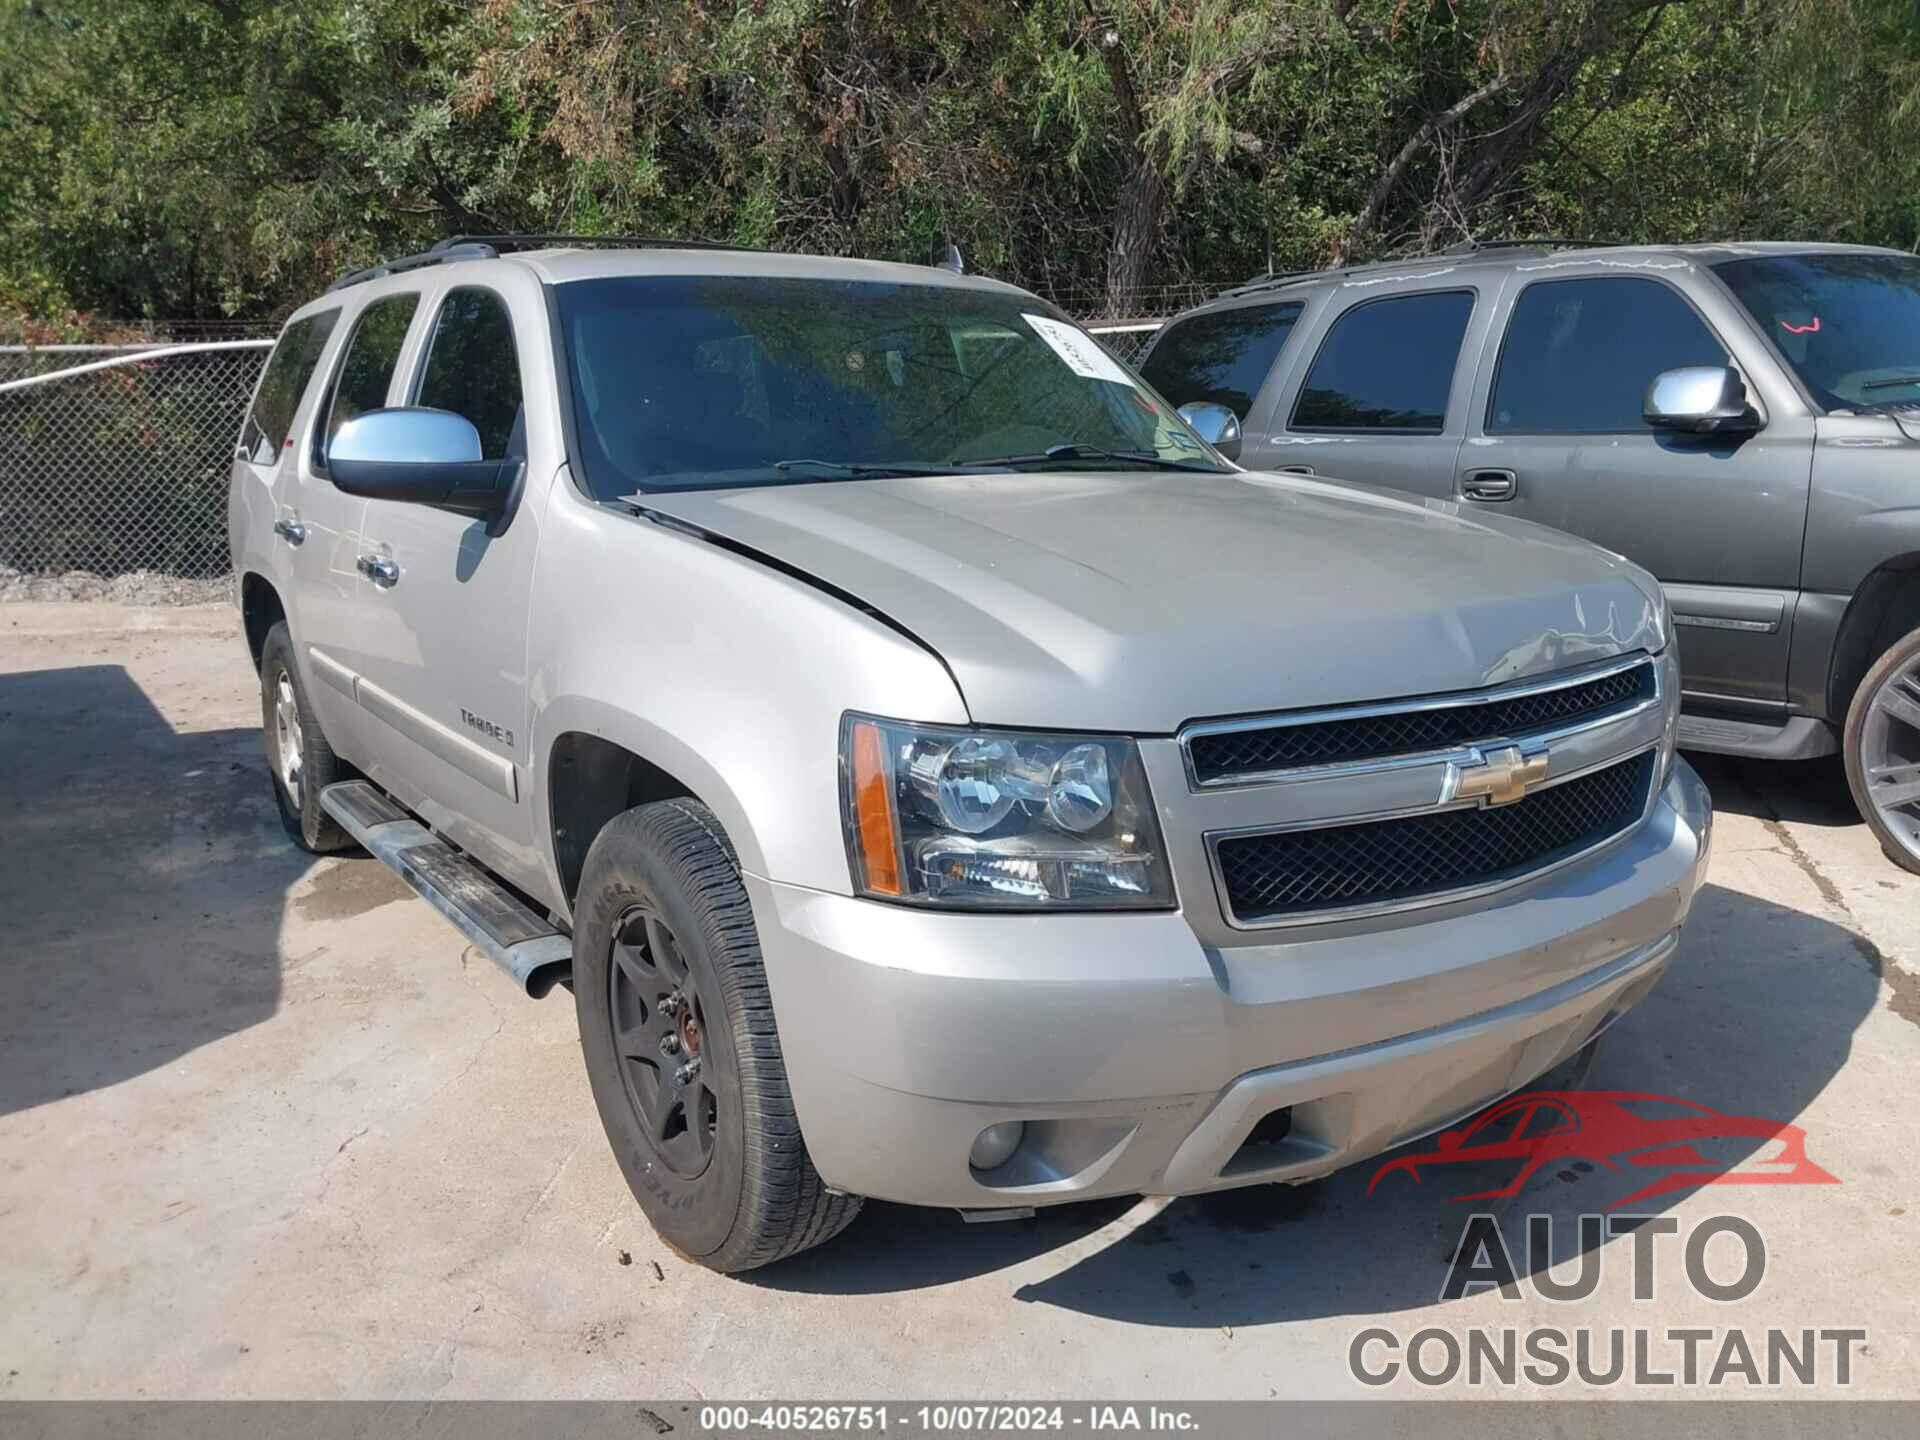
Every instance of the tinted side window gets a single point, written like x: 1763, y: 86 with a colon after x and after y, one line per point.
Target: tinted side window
x: 1223, y: 357
x: 367, y: 369
x: 1578, y: 354
x: 288, y: 370
x: 472, y: 370
x: 1387, y: 365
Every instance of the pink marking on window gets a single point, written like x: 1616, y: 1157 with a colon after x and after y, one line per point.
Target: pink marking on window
x: 1810, y: 328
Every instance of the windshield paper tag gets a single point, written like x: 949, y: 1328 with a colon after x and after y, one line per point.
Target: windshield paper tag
x: 1080, y: 350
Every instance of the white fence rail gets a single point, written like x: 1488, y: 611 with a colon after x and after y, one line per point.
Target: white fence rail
x: 1127, y: 340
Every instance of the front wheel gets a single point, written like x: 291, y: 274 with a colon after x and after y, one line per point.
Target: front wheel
x: 677, y: 1027
x: 1882, y: 745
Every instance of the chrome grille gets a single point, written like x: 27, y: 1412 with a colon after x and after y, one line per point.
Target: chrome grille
x: 1296, y: 873
x: 1228, y: 753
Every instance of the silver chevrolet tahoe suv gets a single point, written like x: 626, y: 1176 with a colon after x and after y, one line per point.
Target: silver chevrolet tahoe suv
x: 1743, y: 420
x: 938, y: 774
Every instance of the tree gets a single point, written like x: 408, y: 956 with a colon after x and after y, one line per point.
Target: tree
x: 190, y: 157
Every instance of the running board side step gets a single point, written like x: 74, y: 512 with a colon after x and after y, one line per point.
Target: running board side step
x: 521, y: 943
x: 1799, y: 737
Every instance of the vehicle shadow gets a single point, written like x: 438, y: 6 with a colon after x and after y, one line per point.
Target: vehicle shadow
x: 1754, y: 1019
x: 1804, y: 792
x: 143, y: 876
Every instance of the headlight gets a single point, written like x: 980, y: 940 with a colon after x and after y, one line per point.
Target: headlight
x: 998, y: 820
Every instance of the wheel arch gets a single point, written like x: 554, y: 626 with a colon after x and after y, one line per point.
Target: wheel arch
x: 1885, y: 607
x: 261, y: 608
x: 600, y: 763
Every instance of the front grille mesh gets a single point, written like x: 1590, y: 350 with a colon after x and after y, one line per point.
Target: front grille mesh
x: 1221, y: 755
x: 1300, y: 871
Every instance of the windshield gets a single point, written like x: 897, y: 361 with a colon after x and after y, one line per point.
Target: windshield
x: 710, y: 382
x: 1848, y: 324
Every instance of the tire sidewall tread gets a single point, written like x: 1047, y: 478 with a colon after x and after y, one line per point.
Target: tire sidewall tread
x: 308, y: 824
x: 760, y: 1199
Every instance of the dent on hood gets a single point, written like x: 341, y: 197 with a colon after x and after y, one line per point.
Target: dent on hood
x: 1584, y: 638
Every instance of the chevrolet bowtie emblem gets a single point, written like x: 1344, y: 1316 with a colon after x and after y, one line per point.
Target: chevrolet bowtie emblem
x: 1503, y: 776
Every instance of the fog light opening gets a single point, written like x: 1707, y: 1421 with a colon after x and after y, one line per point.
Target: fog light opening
x: 994, y: 1146
x: 1272, y: 1127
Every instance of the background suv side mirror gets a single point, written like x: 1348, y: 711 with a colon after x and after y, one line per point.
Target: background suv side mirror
x: 1215, y: 424
x: 1700, y: 400
x: 423, y: 457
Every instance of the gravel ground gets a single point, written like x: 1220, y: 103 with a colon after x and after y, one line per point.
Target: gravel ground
x: 141, y: 587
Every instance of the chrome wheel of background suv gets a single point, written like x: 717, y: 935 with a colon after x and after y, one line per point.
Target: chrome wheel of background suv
x: 1883, y: 750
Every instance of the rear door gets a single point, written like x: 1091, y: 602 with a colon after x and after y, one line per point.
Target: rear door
x: 294, y: 522
x: 1556, y: 436
x: 1381, y: 395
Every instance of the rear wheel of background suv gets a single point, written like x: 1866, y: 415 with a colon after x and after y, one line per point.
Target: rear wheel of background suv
x: 301, y: 762
x: 677, y: 1028
x: 1882, y: 745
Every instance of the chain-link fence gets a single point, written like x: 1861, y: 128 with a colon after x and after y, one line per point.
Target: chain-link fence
x: 114, y: 459
x: 113, y: 468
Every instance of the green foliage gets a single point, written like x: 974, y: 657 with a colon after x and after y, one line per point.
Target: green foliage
x: 178, y: 158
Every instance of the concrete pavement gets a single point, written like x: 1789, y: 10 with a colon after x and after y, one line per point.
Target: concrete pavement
x: 268, y: 1129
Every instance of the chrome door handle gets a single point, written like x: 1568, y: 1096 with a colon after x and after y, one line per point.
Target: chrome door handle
x: 291, y: 531
x: 380, y: 569
x: 1489, y: 485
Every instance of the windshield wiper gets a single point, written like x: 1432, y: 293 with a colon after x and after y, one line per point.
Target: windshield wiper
x: 858, y: 470
x: 1890, y: 384
x: 1075, y: 451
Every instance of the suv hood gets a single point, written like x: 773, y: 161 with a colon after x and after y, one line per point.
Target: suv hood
x: 1135, y: 602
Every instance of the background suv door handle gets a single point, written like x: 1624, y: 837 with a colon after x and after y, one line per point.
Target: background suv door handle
x: 1489, y: 485
x: 291, y: 531
x: 380, y: 569
x: 1296, y: 470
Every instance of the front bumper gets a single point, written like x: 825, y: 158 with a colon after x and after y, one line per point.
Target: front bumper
x: 1142, y: 1060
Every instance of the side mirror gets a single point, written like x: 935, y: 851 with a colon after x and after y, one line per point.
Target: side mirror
x: 1215, y: 424
x: 1700, y: 400
x: 423, y: 457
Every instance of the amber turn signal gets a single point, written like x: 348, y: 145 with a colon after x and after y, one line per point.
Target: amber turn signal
x: 873, y: 818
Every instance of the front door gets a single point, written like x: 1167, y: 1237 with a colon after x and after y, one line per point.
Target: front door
x: 1556, y: 435
x: 336, y: 604
x: 444, y: 669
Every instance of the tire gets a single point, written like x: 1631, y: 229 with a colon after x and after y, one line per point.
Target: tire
x: 728, y: 1183
x: 297, y: 791
x: 1877, y: 738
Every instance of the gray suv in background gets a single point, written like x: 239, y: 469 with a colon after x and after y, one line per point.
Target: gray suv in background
x: 940, y: 775
x: 1743, y: 420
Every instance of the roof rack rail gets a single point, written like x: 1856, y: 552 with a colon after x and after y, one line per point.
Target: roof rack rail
x: 1465, y: 247
x: 490, y: 247
x: 439, y: 255
x: 1526, y: 242
x: 1283, y: 277
x: 502, y: 243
